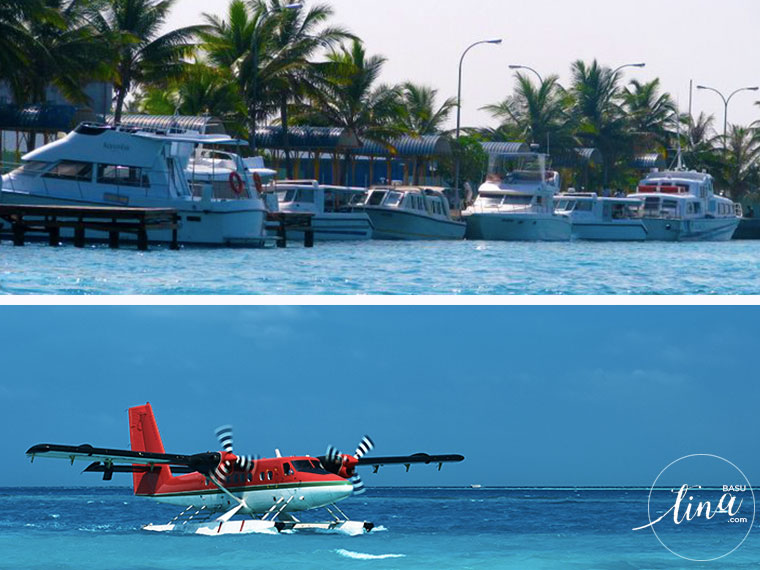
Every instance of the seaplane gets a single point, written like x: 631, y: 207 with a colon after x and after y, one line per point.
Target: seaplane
x: 223, y: 492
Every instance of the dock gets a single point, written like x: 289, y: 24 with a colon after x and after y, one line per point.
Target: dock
x: 31, y: 218
x: 281, y: 222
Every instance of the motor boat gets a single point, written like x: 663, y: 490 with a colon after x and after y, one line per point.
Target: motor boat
x: 602, y: 218
x: 102, y: 165
x: 681, y: 205
x: 519, y: 203
x: 332, y: 207
x: 411, y: 213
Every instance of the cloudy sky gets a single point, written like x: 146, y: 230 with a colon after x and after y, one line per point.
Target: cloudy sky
x: 713, y: 43
x: 531, y: 396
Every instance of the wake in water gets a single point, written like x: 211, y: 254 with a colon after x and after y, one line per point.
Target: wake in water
x: 364, y: 556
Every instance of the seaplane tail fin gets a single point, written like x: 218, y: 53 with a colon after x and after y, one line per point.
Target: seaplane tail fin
x: 144, y: 436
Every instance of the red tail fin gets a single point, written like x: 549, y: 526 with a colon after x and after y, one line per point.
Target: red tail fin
x: 144, y: 436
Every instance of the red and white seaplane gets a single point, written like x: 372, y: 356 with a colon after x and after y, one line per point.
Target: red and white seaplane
x: 215, y: 486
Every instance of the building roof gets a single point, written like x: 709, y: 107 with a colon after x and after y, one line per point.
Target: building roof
x: 409, y: 147
x: 205, y: 125
x: 307, y: 138
x: 38, y: 117
x: 648, y: 161
x: 505, y: 148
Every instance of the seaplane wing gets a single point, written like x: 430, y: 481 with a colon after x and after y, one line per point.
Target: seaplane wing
x: 409, y: 459
x: 109, y: 456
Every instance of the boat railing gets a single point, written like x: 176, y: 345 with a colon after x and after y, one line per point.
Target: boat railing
x: 738, y: 210
x: 511, y: 209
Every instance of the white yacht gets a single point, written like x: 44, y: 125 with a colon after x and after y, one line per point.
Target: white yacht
x: 601, y: 218
x: 332, y: 207
x: 681, y: 205
x: 121, y: 166
x: 518, y: 205
x: 410, y: 213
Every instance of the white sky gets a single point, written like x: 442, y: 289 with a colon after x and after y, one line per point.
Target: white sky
x: 712, y: 42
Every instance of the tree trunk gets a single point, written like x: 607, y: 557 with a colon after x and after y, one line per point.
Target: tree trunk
x: 252, y: 128
x: 121, y: 94
x: 285, y: 134
x: 346, y: 165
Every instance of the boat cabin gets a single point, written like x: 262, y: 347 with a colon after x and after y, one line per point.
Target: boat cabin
x: 589, y: 206
x: 425, y: 200
x: 310, y: 196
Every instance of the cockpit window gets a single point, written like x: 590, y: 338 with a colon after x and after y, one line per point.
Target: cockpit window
x: 309, y: 466
x: 376, y: 197
x: 32, y: 167
x: 393, y: 198
x: 490, y: 199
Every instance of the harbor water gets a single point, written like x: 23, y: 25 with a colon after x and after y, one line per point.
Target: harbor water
x: 439, y: 528
x: 385, y: 267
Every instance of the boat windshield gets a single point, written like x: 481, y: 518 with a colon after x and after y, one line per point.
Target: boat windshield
x: 31, y: 167
x: 566, y: 205
x: 488, y: 199
x: 393, y: 198
x: 297, y: 195
x: 376, y: 197
x: 517, y: 199
x: 309, y: 466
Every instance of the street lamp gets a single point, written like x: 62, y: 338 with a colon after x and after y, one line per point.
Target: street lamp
x: 628, y: 65
x: 540, y: 79
x: 726, y: 101
x: 459, y: 98
x: 255, y: 44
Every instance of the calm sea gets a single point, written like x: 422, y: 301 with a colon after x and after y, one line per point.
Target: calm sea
x: 377, y: 267
x: 437, y: 528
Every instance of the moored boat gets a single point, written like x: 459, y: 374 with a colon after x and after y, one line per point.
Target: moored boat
x: 411, y: 213
x: 681, y: 205
x: 601, y: 218
x: 101, y: 165
x: 518, y: 204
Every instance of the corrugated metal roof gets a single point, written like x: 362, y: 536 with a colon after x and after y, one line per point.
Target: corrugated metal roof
x: 647, y: 161
x: 37, y: 117
x: 505, y: 148
x: 307, y: 138
x: 590, y: 155
x: 205, y: 125
x: 428, y: 145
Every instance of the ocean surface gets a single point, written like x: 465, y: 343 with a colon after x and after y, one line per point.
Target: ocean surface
x: 378, y: 267
x: 441, y: 528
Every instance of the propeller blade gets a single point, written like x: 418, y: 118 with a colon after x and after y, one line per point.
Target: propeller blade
x: 365, y: 446
x: 358, y: 484
x: 224, y: 435
x: 246, y: 462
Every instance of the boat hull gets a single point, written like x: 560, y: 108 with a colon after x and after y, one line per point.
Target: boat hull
x: 518, y: 227
x: 613, y: 231
x: 225, y: 224
x: 338, y: 227
x: 403, y: 225
x: 705, y: 229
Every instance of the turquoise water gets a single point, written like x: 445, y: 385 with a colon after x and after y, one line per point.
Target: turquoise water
x: 447, y: 528
x: 377, y: 267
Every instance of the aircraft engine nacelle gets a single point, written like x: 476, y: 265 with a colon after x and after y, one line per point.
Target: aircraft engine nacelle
x: 347, y: 469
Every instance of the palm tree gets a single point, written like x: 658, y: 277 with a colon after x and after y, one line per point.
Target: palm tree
x: 537, y: 115
x: 601, y: 119
x: 741, y: 169
x: 650, y: 113
x: 14, y: 37
x: 420, y: 116
x: 344, y: 95
x: 141, y: 55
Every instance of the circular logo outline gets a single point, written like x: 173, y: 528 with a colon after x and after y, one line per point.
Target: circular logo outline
x: 649, y: 502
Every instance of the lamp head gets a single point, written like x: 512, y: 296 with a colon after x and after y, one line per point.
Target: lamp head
x: 494, y: 41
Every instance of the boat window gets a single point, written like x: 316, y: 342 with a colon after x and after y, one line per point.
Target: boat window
x: 306, y: 466
x: 121, y: 175
x: 288, y: 195
x: 306, y: 195
x: 712, y: 207
x: 566, y: 205
x: 286, y: 469
x: 393, y: 199
x: 669, y: 207
x: 697, y: 207
x: 584, y: 206
x: 376, y: 197
x: 517, y: 199
x: 69, y: 170
x: 31, y: 168
x: 651, y: 204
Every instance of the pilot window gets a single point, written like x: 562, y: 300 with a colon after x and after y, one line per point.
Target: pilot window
x: 286, y: 469
x: 308, y: 466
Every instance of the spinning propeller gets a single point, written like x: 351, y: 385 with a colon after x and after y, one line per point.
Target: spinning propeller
x: 343, y: 464
x: 229, y: 459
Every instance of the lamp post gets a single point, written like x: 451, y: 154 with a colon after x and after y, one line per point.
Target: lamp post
x: 726, y: 101
x: 515, y: 67
x: 459, y: 102
x: 628, y: 65
x: 255, y: 45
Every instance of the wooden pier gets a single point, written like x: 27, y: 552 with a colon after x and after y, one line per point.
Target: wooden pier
x: 29, y: 218
x: 281, y: 222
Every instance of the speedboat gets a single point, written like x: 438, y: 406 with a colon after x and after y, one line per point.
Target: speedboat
x: 101, y: 165
x: 602, y: 218
x: 519, y: 204
x: 331, y: 206
x: 410, y: 213
x: 681, y: 205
